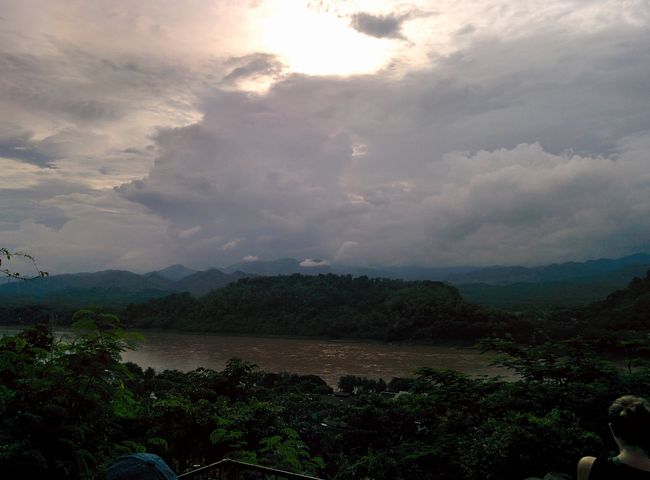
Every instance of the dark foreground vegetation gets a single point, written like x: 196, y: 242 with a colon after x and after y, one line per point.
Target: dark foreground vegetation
x: 66, y: 408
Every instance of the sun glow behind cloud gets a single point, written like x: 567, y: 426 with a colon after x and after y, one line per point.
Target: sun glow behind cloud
x: 318, y: 42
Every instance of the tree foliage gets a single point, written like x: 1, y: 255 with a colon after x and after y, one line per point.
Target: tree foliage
x: 327, y: 305
x: 69, y: 406
x: 6, y: 269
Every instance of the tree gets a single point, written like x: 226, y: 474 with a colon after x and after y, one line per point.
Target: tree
x: 62, y: 402
x: 6, y: 270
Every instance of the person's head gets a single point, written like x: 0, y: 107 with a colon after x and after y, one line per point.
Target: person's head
x: 629, y: 419
x: 139, y: 466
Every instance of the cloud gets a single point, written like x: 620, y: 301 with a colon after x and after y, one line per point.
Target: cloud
x: 309, y: 262
x: 466, y: 30
x: 250, y: 172
x: 513, y: 201
x: 231, y: 244
x: 346, y: 251
x: 190, y: 232
x: 103, y: 231
x: 23, y: 148
x: 250, y: 258
x: 34, y: 201
x: 379, y: 26
x: 461, y: 163
x: 253, y: 67
x: 52, y: 217
x: 519, y: 138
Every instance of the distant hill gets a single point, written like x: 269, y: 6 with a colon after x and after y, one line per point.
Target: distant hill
x: 200, y: 283
x: 120, y: 279
x: 513, y: 288
x: 628, y: 308
x: 537, y: 297
x: 516, y: 288
x: 328, y: 305
x: 174, y: 272
x: 588, y: 271
x: 553, y: 287
x: 111, y: 288
x: 290, y: 266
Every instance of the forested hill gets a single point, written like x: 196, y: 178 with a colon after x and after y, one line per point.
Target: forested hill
x: 326, y: 305
x: 626, y: 309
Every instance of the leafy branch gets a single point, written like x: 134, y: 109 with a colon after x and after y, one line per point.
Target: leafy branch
x: 7, y: 255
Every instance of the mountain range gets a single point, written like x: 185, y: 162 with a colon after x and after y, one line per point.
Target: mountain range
x: 114, y: 288
x: 492, y: 275
x: 510, y: 287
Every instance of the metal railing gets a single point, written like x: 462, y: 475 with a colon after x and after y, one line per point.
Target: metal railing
x: 228, y: 469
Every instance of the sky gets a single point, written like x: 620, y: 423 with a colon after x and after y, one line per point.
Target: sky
x: 139, y: 134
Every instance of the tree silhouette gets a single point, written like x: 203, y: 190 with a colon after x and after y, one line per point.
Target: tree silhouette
x: 7, y: 256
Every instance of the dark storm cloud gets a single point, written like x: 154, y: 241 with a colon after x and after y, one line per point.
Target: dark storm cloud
x: 252, y: 66
x: 379, y: 26
x: 23, y: 148
x: 258, y: 190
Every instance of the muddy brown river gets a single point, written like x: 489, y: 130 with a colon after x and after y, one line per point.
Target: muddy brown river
x: 329, y: 359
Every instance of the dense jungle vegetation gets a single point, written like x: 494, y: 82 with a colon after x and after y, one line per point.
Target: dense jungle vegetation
x: 342, y: 306
x: 390, y: 310
x: 68, y: 407
x: 324, y: 305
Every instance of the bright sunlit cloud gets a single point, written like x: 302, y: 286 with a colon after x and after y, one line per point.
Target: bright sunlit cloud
x: 319, y: 42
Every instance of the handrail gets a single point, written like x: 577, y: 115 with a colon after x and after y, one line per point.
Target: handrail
x: 247, y: 466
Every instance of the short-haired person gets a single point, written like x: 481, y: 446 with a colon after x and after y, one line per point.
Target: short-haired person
x: 629, y: 421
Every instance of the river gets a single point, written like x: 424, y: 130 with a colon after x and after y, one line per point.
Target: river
x: 329, y: 359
